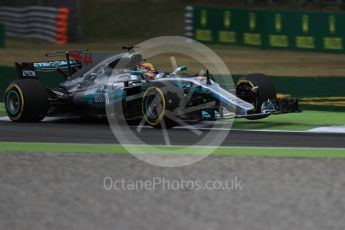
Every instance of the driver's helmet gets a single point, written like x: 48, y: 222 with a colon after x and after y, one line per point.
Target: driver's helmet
x: 148, y: 70
x: 148, y: 66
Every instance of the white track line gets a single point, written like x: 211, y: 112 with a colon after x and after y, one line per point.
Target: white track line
x: 328, y: 129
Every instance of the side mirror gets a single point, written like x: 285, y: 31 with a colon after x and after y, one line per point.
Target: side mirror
x: 180, y: 69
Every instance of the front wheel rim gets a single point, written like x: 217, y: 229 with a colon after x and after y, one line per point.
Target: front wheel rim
x: 153, y: 106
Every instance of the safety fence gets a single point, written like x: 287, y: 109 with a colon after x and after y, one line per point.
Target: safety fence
x: 267, y: 29
x: 47, y: 23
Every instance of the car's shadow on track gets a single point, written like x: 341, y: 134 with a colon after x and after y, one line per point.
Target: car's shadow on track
x: 103, y: 121
x: 263, y: 125
x: 76, y: 120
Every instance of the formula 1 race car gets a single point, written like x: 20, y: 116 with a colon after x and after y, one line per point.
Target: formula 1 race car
x: 142, y: 91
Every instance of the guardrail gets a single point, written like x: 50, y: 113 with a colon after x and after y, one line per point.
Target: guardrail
x: 47, y: 23
x: 267, y: 29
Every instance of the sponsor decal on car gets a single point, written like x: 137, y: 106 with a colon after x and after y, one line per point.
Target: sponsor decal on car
x: 29, y: 73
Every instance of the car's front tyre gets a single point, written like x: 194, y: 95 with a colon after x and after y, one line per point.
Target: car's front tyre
x: 154, y: 108
x: 256, y: 89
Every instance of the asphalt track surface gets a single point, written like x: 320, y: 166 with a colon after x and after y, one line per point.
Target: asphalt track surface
x: 45, y: 191
x: 78, y: 131
x: 66, y: 191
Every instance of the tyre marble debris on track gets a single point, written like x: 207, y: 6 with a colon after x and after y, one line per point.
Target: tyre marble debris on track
x: 47, y: 23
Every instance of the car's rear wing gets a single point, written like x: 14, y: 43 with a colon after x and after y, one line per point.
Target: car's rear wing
x: 73, y: 62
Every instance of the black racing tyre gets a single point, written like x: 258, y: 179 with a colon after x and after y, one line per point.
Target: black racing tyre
x: 155, y: 107
x: 256, y: 89
x: 26, y: 100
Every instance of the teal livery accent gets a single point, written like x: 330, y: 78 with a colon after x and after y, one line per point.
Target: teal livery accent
x: 53, y: 65
x: 98, y: 98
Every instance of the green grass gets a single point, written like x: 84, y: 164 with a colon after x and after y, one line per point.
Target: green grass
x: 2, y: 110
x: 294, y: 122
x: 118, y: 149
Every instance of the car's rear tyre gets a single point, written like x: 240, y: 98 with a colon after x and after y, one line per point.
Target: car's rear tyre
x: 256, y: 89
x: 154, y: 108
x: 26, y: 100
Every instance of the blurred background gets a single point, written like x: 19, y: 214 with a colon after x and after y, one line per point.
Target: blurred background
x: 131, y: 19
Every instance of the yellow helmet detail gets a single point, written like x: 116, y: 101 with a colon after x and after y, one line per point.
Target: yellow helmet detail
x: 148, y: 66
